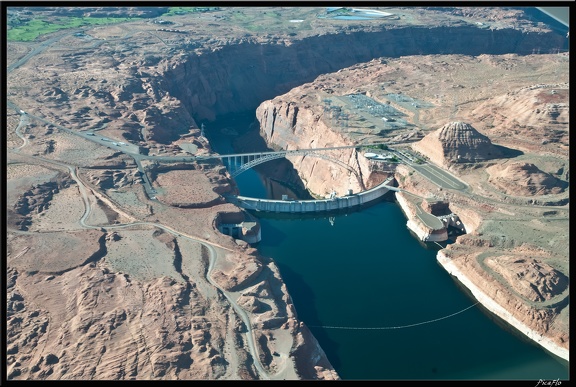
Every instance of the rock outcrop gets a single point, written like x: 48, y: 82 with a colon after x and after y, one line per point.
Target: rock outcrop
x: 107, y: 326
x: 88, y: 321
x: 426, y: 226
x: 238, y: 271
x: 436, y: 207
x: 524, y: 179
x: 531, y: 278
x: 287, y: 125
x: 36, y: 200
x: 307, y: 347
x: 457, y: 142
x: 538, y: 114
x: 274, y: 68
x: 541, y: 325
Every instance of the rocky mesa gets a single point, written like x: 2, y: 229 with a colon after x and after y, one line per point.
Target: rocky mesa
x: 116, y: 267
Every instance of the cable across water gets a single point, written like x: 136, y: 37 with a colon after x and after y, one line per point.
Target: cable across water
x: 399, y: 327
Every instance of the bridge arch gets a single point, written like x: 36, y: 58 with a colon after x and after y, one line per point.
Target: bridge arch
x: 279, y: 155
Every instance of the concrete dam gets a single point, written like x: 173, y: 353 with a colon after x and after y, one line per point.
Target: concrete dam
x: 311, y: 206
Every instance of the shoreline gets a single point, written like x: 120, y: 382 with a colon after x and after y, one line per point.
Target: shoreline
x: 499, y: 311
x: 414, y: 224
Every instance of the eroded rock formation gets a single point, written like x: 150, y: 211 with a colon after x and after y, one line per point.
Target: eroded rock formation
x: 531, y: 278
x: 87, y: 321
x: 36, y: 200
x: 286, y: 119
x: 457, y: 142
x: 524, y: 179
x: 286, y: 125
x: 274, y: 68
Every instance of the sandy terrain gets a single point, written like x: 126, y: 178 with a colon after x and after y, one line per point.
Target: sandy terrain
x: 54, y: 252
x: 188, y: 188
x: 105, y: 282
x: 65, y: 208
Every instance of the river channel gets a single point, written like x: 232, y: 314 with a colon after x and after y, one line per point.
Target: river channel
x: 376, y: 299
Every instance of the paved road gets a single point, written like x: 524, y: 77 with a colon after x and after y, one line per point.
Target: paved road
x: 150, y: 191
x: 38, y: 49
x: 213, y: 255
x: 133, y: 150
x: 278, y: 152
x: 436, y: 175
x: 23, y: 122
x: 428, y: 219
x: 439, y: 176
x: 550, y: 303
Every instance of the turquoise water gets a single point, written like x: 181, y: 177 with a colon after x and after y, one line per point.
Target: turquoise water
x: 366, y: 270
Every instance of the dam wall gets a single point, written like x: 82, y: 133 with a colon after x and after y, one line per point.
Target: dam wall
x: 310, y: 206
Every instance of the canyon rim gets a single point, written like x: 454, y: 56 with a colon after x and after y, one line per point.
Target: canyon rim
x: 116, y: 266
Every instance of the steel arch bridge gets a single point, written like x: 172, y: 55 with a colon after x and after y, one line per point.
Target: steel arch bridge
x: 263, y: 158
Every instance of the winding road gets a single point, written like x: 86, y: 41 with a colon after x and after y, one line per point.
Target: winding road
x: 436, y: 175
x: 213, y: 254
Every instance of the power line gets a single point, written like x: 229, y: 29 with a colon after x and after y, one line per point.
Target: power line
x: 398, y: 327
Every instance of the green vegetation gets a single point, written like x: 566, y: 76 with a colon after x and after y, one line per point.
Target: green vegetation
x: 34, y: 28
x: 183, y: 10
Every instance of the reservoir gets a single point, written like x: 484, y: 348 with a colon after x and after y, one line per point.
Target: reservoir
x: 378, y: 302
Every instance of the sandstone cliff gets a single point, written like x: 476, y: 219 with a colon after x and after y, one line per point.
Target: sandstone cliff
x: 529, y: 277
x: 546, y: 324
x: 210, y: 84
x: 538, y: 114
x: 106, y: 325
x: 287, y: 125
x: 146, y: 309
x: 425, y: 231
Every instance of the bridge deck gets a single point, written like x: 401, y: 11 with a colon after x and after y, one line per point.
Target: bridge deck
x: 277, y: 152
